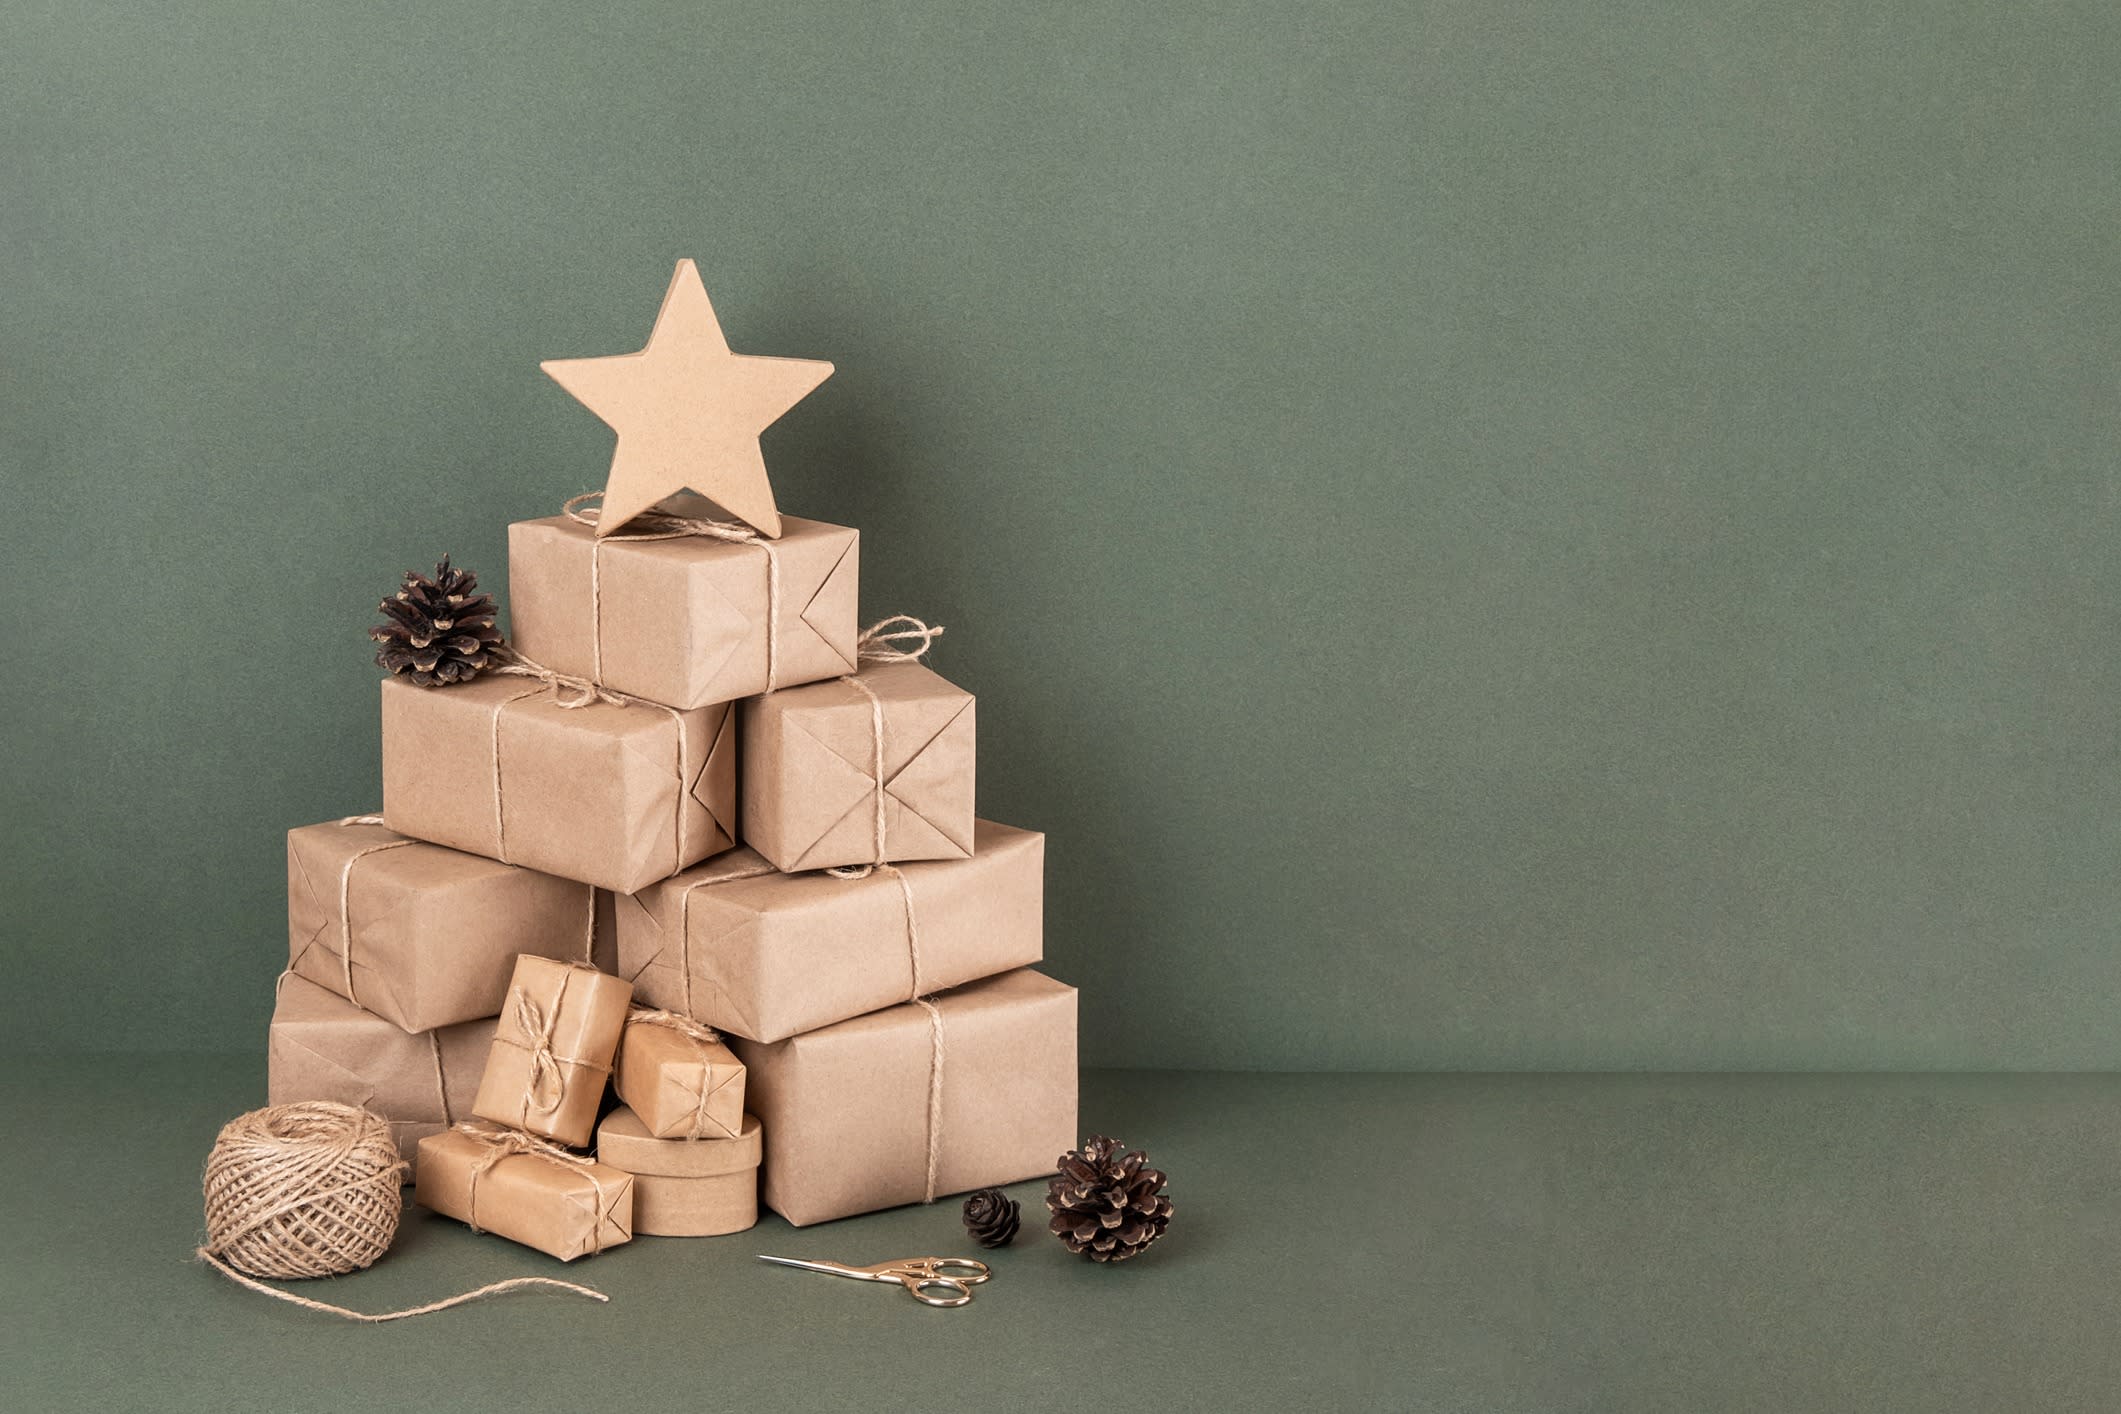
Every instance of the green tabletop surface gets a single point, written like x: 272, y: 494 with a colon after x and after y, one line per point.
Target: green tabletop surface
x: 1398, y: 1242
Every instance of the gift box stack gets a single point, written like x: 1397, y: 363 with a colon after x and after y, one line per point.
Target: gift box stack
x: 676, y: 900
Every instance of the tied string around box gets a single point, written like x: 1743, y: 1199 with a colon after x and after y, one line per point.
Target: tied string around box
x: 502, y: 1144
x: 311, y: 1190
x: 548, y: 1069
x: 346, y: 975
x: 901, y: 638
x: 571, y: 694
x: 701, y: 1037
x: 668, y: 525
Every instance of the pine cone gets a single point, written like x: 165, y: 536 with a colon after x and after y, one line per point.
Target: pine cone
x: 439, y: 631
x: 1106, y: 1203
x: 991, y: 1217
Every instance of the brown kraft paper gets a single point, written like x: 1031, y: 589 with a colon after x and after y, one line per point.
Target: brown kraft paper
x: 563, y: 1205
x: 679, y: 1085
x: 684, y: 1187
x: 810, y: 770
x: 615, y: 796
x: 765, y: 955
x: 845, y: 1110
x: 323, y: 1047
x: 552, y: 1050
x: 683, y: 620
x: 434, y: 932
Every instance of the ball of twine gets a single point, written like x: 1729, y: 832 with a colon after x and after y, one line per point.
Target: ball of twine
x: 305, y: 1190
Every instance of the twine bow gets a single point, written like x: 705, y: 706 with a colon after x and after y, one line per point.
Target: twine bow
x: 668, y: 525
x: 537, y: 1026
x: 880, y: 641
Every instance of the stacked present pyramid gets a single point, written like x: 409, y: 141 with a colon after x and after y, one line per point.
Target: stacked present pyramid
x: 676, y: 901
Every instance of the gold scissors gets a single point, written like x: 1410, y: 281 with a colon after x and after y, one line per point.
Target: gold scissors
x: 932, y: 1281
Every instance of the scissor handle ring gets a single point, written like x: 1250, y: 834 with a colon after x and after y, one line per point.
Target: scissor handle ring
x: 959, y: 1293
x: 962, y: 1270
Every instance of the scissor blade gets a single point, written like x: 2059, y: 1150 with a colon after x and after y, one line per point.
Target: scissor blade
x: 831, y: 1268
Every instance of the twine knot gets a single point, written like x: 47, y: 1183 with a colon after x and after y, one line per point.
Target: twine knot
x: 684, y: 1025
x: 568, y: 691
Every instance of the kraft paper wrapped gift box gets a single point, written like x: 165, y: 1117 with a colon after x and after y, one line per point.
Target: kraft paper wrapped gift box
x: 684, y: 1187
x: 322, y: 1047
x: 508, y: 1184
x: 552, y: 1049
x: 616, y: 796
x: 684, y: 619
x: 421, y: 935
x: 810, y: 779
x: 845, y: 1109
x: 764, y: 955
x: 679, y: 1078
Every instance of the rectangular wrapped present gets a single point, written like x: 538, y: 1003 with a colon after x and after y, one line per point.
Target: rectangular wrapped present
x: 503, y: 1182
x: 811, y: 772
x: 679, y: 1078
x: 846, y: 1109
x: 684, y: 1187
x: 684, y: 619
x: 323, y: 1047
x: 764, y: 955
x: 417, y: 933
x: 552, y: 1049
x: 616, y: 796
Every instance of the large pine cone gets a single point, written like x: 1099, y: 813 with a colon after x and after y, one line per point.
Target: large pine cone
x: 991, y: 1217
x: 437, y: 631
x: 1106, y: 1202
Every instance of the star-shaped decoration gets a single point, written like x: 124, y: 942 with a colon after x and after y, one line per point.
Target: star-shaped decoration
x: 688, y: 411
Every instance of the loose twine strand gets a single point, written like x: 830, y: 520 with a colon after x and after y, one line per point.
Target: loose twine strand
x: 308, y: 1190
x: 701, y: 1037
x: 667, y: 525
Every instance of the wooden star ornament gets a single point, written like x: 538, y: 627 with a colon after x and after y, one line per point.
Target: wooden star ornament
x: 688, y: 411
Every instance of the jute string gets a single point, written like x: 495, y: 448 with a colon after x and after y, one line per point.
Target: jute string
x: 503, y: 1144
x: 571, y: 694
x: 345, y: 897
x: 537, y: 1023
x: 309, y: 1190
x: 701, y: 1037
x: 664, y: 525
x: 901, y: 638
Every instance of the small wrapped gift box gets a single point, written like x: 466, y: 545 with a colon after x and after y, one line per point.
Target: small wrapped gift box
x: 764, y: 955
x: 819, y: 761
x: 972, y: 1090
x: 552, y: 1049
x: 323, y: 1047
x: 684, y: 619
x: 421, y: 935
x: 611, y: 795
x: 684, y: 1187
x: 507, y: 1183
x: 678, y: 1077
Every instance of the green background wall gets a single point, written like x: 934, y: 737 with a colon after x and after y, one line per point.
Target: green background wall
x: 1491, y: 534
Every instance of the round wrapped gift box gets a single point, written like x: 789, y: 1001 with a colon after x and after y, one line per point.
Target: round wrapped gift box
x: 684, y: 1187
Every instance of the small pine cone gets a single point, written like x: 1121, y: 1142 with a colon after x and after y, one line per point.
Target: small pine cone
x: 437, y: 631
x: 1106, y: 1202
x: 991, y: 1217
